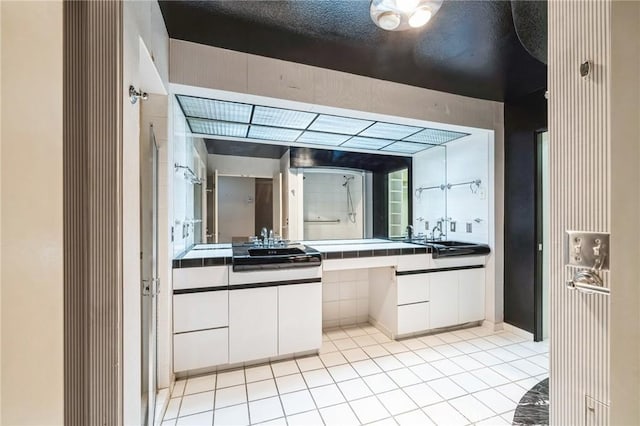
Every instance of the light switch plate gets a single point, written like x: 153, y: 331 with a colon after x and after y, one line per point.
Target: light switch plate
x: 587, y: 250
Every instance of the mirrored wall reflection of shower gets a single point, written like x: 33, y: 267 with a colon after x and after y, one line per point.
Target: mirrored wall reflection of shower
x: 334, y: 204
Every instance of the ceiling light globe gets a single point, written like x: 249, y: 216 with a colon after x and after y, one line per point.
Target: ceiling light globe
x: 388, y: 21
x: 420, y: 17
x: 407, y: 6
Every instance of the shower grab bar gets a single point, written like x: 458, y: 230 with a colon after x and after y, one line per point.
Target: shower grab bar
x: 322, y: 221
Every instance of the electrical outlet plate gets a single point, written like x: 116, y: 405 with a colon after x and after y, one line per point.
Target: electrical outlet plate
x: 587, y: 250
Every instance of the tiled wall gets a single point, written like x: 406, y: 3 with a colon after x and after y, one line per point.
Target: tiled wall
x: 326, y: 199
x: 345, y: 297
x: 463, y: 160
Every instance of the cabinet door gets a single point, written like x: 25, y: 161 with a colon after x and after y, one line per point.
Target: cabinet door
x: 471, y: 301
x: 299, y: 318
x: 200, y: 349
x: 253, y: 324
x: 199, y: 311
x: 413, y: 288
x: 443, y: 299
x: 413, y: 318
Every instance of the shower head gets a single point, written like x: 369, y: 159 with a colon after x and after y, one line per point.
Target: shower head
x: 347, y: 179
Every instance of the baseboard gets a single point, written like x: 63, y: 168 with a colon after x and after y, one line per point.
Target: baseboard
x: 493, y: 326
x: 515, y: 330
x: 162, y: 401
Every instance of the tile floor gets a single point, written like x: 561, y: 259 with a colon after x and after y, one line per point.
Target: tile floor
x: 470, y: 376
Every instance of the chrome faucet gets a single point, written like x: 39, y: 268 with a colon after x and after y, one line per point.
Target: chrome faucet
x: 409, y: 231
x: 438, y: 228
x: 264, y: 235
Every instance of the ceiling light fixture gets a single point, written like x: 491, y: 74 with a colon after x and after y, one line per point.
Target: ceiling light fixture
x: 400, y: 15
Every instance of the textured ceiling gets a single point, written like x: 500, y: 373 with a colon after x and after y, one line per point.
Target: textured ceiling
x: 469, y: 48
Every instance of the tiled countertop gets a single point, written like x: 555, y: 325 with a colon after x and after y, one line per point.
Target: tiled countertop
x: 221, y: 254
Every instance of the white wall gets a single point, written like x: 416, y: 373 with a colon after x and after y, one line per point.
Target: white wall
x: 142, y: 20
x: 429, y: 169
x: 236, y: 214
x: 244, y: 166
x: 345, y: 297
x: 31, y: 217
x: 326, y: 199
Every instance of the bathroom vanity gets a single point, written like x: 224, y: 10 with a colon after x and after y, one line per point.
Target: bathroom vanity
x: 225, y: 316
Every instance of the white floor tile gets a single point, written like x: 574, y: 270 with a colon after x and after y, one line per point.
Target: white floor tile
x: 512, y: 391
x: 375, y: 351
x: 388, y: 363
x: 200, y: 384
x: 467, y: 363
x: 528, y: 383
x: 238, y: 415
x: 310, y: 418
x: 465, y: 347
x: 486, y: 358
x: 426, y: 372
x: 256, y: 374
x: 340, y: 373
x: 379, y: 383
x: 490, y: 377
x: 395, y: 347
x: 196, y: 403
x: 355, y: 331
x: 366, y: 367
x: 366, y: 340
x: 172, y: 408
x: 422, y: 394
x: 284, y: 368
x: 444, y: 414
x: 396, y: 402
x: 339, y: 415
x: 170, y: 422
x: 317, y: 378
x: 261, y: 389
x: 281, y: 421
x: 333, y: 358
x: 291, y: 383
x: 309, y: 363
x: 508, y: 416
x: 336, y: 334
x: 503, y: 354
x: 521, y: 351
x: 380, y: 338
x: 540, y: 360
x: 404, y: 377
x: 354, y: 355
x: 409, y: 359
x: 265, y: 409
x: 297, y: 402
x: 528, y: 367
x: 230, y: 378
x: 469, y: 382
x: 464, y: 334
x: 510, y: 372
x: 327, y: 347
x: 449, y: 337
x: 354, y: 389
x: 471, y: 408
x: 344, y: 344
x: 389, y: 421
x: 231, y: 396
x: 446, y: 388
x: 448, y: 351
x: 414, y: 418
x: 196, y: 419
x: 498, y: 340
x: 495, y: 400
x: 414, y: 344
x: 482, y: 343
x: 432, y: 340
x: 429, y: 354
x: 327, y: 395
x: 447, y: 367
x: 369, y: 409
x: 494, y: 421
x: 178, y: 388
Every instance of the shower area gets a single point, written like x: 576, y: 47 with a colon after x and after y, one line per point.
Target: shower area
x: 334, y: 204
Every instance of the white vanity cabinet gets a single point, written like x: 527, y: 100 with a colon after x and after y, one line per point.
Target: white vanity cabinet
x: 253, y: 323
x: 299, y: 317
x: 413, y: 303
x: 471, y: 295
x: 457, y: 297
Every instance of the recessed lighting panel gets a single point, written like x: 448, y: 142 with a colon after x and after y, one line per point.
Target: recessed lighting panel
x: 274, y: 133
x: 322, y: 138
x: 389, y: 131
x: 278, y: 117
x: 366, y: 143
x: 435, y: 136
x: 344, y: 125
x: 215, y: 110
x: 406, y: 147
x: 219, y: 128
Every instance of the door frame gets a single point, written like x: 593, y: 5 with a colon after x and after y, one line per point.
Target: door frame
x: 540, y: 244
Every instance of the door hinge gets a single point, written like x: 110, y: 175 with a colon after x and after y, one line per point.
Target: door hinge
x: 151, y: 287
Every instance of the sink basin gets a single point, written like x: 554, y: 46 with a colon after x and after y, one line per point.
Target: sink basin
x: 275, y: 251
x: 451, y: 243
x: 457, y: 248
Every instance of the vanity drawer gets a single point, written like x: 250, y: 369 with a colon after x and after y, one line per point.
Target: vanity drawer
x: 209, y: 276
x: 200, y: 311
x: 413, y: 288
x: 200, y: 349
x: 413, y: 318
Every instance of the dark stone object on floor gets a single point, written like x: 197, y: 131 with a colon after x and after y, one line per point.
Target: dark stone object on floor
x: 533, y: 408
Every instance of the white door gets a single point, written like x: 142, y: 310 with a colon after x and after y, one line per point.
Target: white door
x: 253, y: 324
x: 277, y: 203
x: 443, y: 299
x: 300, y: 317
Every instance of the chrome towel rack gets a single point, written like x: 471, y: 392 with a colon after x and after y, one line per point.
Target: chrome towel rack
x: 474, y: 185
x: 322, y: 221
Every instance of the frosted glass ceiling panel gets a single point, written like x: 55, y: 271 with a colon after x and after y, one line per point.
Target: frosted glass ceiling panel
x: 435, y: 136
x: 322, y: 138
x: 366, y: 143
x: 278, y: 117
x: 344, y: 125
x: 406, y: 147
x: 389, y: 131
x: 215, y: 110
x: 274, y: 133
x: 219, y: 128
